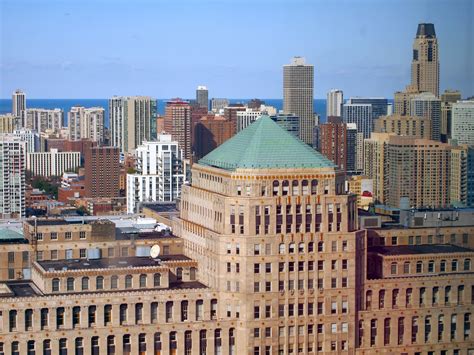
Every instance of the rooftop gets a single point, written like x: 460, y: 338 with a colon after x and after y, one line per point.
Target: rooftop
x: 265, y: 145
x: 109, y: 263
x: 419, y: 249
x: 9, y: 235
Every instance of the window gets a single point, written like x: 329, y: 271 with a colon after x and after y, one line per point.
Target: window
x: 431, y: 266
x: 79, y: 346
x: 291, y: 248
x: 107, y: 314
x: 143, y: 279
x: 419, y: 267
x: 76, y: 316
x: 91, y: 313
x: 54, y: 255
x: 114, y: 282
x: 28, y: 319
x: 281, y: 248
x: 256, y: 249
x: 59, y: 317
x: 82, y: 235
x: 442, y: 266
x: 393, y: 268
x: 123, y: 313
x: 169, y: 311
x: 138, y: 313
x: 82, y: 254
x: 55, y: 285
x: 320, y: 246
x: 128, y: 281
x: 467, y: 264
x: 85, y: 283
x: 54, y: 236
x: 454, y: 265
x: 373, y: 331
x: 157, y: 280
x: 99, y: 283
x: 68, y: 235
x: 44, y: 317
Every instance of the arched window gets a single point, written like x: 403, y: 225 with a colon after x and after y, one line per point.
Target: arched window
x: 55, y: 285
x: 285, y: 187
x: 291, y: 248
x: 310, y: 247
x: 295, y: 187
x: 85, y: 283
x: 406, y: 267
x: 192, y: 274
x: 128, y: 281
x: 301, y: 247
x: 179, y: 273
x: 99, y: 283
x: 281, y: 248
x: 419, y: 267
x: 276, y: 185
x: 454, y: 265
x: 381, y: 299
x: 305, y: 189
x: 143, y: 278
x: 393, y: 268
x: 320, y: 246
x: 314, y: 187
x: 111, y: 344
x: 368, y: 300
x: 157, y: 280
x: 70, y: 284
x: 114, y: 282
x: 467, y: 264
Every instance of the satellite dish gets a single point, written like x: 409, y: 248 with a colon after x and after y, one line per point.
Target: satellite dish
x: 155, y: 251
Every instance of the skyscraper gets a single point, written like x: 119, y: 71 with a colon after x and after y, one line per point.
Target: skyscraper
x: 427, y: 105
x: 130, y: 120
x: 86, y: 123
x: 178, y: 124
x: 332, y: 141
x: 463, y: 122
x: 298, y: 83
x: 335, y: 99
x: 448, y: 97
x: 425, y: 63
x: 102, y: 171
x: 379, y: 105
x: 18, y: 102
x: 12, y: 176
x: 202, y: 97
x: 361, y: 115
x: 42, y: 120
x: 159, y: 173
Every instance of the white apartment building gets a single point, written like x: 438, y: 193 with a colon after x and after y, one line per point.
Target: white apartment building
x: 42, y: 120
x: 53, y: 163
x: 12, y: 177
x: 86, y: 123
x: 159, y: 175
x: 335, y: 100
x: 30, y: 137
x: 462, y: 123
x: 247, y: 117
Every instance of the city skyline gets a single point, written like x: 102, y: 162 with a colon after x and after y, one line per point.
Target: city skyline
x: 153, y: 65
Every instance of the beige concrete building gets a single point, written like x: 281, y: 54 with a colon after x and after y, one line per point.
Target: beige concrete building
x: 418, y: 127
x: 7, y: 123
x: 425, y: 63
x: 267, y: 258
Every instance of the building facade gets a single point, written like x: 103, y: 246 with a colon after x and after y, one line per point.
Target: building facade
x: 246, y: 117
x: 52, y: 163
x: 43, y: 120
x: 209, y: 133
x: 298, y: 85
x: 86, y: 123
x: 18, y: 103
x: 178, y: 124
x: 425, y: 63
x: 130, y: 121
x: 428, y: 106
x: 379, y: 105
x: 159, y: 175
x: 448, y: 97
x: 335, y: 100
x: 202, y: 97
x: 361, y: 115
x: 462, y: 125
x: 102, y: 169
x: 419, y: 127
x: 12, y: 177
x: 7, y: 123
x: 332, y: 141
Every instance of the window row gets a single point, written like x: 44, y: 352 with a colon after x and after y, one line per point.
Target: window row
x: 430, y: 266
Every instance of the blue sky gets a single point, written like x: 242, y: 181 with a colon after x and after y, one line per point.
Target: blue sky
x: 98, y: 48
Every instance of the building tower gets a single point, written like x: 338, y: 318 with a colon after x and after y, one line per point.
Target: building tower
x: 102, y: 170
x: 335, y: 100
x: 18, y: 102
x: 298, y: 84
x: 462, y: 124
x: 202, y: 97
x: 131, y: 120
x: 425, y: 63
x: 178, y: 124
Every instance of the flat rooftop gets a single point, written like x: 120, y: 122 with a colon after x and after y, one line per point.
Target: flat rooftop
x: 161, y: 207
x: 19, y: 289
x: 419, y: 249
x: 109, y: 263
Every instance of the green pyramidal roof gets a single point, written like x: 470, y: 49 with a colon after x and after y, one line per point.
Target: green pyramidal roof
x: 264, y: 145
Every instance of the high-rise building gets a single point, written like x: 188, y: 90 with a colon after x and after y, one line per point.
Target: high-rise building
x: 298, y: 97
x: 462, y: 124
x: 202, y: 97
x: 102, y: 169
x: 178, y: 124
x: 332, y: 141
x: 427, y: 105
x: 461, y: 171
x: 12, y: 176
x: 18, y: 102
x: 361, y: 115
x: 425, y: 63
x: 335, y: 100
x: 159, y: 176
x: 289, y: 122
x: 30, y: 137
x: 86, y: 123
x: 43, y: 120
x: 379, y: 105
x: 353, y: 149
x: 408, y: 168
x: 419, y: 127
x: 7, y: 123
x: 130, y: 121
x: 246, y: 117
x: 448, y: 97
x: 210, y: 132
x: 218, y: 104
x: 52, y: 163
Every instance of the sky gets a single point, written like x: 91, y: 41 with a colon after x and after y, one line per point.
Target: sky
x: 164, y: 49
